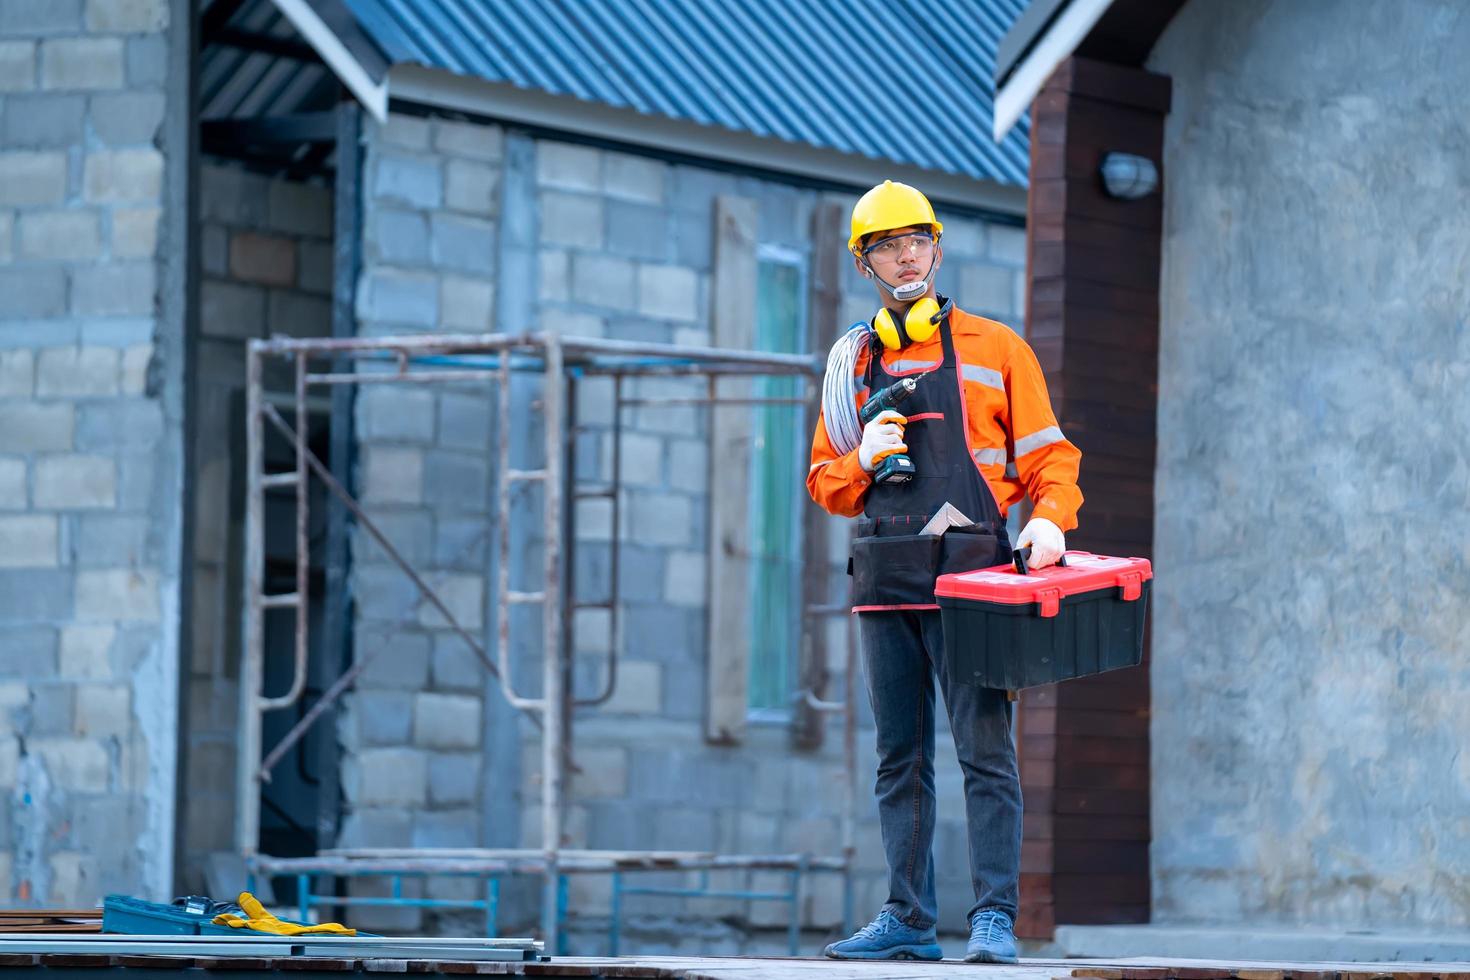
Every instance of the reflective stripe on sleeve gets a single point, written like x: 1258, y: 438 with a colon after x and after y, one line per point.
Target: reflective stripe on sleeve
x: 1038, y: 440
x: 991, y: 457
x: 989, y: 377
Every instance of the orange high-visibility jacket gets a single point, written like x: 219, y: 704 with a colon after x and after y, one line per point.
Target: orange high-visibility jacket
x: 1013, y: 437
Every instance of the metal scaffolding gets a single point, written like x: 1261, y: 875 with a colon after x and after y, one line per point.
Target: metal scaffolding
x: 559, y: 362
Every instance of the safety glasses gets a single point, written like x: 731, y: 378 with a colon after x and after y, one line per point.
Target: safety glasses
x: 917, y: 244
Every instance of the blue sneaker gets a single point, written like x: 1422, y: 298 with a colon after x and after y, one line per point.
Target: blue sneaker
x: 887, y: 938
x: 992, y: 938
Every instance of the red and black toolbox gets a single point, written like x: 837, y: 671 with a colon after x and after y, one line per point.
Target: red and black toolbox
x: 1005, y: 627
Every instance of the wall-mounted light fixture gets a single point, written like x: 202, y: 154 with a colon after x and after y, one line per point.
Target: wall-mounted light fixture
x: 1128, y: 176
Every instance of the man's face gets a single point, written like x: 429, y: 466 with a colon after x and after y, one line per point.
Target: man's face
x: 903, y: 257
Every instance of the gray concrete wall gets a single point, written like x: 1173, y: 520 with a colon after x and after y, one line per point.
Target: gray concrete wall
x: 470, y: 228
x: 91, y: 376
x: 1310, y: 670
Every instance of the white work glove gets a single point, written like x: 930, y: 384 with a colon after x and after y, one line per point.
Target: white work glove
x: 881, y: 437
x: 1045, y: 541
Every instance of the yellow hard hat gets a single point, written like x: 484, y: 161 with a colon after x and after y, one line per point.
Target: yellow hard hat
x: 890, y: 205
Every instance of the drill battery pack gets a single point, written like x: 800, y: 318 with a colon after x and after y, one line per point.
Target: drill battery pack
x: 1009, y: 629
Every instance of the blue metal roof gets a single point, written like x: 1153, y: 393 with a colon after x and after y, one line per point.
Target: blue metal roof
x: 787, y: 69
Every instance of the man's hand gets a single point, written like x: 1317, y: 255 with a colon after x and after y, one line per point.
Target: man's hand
x: 1045, y: 541
x: 881, y: 437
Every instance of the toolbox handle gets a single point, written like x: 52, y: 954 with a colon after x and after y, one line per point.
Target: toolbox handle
x: 1021, y: 556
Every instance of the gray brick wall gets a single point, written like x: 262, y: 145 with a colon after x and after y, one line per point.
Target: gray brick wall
x: 89, y: 450
x: 266, y: 268
x: 413, y: 731
x: 622, y: 247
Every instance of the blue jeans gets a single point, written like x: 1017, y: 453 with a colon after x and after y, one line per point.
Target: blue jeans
x: 902, y: 653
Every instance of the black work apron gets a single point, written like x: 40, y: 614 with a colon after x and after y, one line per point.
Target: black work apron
x: 894, y: 566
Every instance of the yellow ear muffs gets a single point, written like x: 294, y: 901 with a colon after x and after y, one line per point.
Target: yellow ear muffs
x: 919, y: 324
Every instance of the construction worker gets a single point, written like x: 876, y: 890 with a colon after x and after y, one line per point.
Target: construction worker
x: 981, y: 434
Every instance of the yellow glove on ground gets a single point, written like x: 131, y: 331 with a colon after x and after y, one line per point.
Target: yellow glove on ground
x: 260, y: 920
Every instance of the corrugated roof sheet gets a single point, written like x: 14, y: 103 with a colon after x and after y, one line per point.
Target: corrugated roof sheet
x: 789, y: 69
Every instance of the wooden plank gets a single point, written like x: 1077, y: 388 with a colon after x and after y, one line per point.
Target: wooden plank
x: 1039, y: 747
x: 732, y: 304
x: 1035, y: 888
x: 1063, y: 195
x: 1106, y: 466
x: 1118, y: 724
x: 1096, y: 697
x: 1037, y: 856
x: 325, y: 964
x: 1127, y: 334
x: 1114, y: 83
x: 1114, y: 266
x: 10, y: 914
x: 1094, y: 415
x: 1100, y: 297
x: 1035, y: 922
x: 1085, y: 857
x: 1106, y: 889
x: 1102, y: 750
x: 1072, y: 395
x: 1080, y: 800
x: 76, y: 960
x: 1073, y: 229
x: 156, y: 962
x: 829, y: 265
x: 1089, y: 914
x: 1120, y: 358
x: 1048, y: 126
x: 1038, y: 719
x: 1102, y: 496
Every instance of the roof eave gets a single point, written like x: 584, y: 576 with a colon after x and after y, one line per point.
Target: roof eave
x: 508, y: 103
x: 373, y: 94
x: 1066, y: 28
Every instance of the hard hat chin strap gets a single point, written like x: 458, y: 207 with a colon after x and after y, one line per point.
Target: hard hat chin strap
x: 909, y: 291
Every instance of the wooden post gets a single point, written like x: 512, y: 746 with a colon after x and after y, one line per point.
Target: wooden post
x: 1093, y: 320
x: 733, y: 315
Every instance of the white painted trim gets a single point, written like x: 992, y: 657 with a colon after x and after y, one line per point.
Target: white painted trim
x: 372, y: 95
x: 529, y: 107
x: 1054, y: 46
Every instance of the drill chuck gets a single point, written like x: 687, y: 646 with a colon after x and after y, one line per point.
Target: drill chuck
x: 888, y: 399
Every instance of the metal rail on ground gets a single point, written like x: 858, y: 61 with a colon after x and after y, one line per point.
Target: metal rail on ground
x: 559, y: 362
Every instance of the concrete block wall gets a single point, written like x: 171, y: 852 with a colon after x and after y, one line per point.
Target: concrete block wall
x: 622, y: 248
x: 413, y: 733
x: 1308, y: 720
x: 90, y: 449
x: 266, y: 269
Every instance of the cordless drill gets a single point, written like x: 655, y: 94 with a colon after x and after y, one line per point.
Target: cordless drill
x: 895, y: 467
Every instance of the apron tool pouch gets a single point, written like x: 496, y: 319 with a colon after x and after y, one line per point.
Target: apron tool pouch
x: 893, y: 569
x: 964, y: 549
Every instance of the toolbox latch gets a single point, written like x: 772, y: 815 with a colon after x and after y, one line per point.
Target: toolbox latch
x: 1132, y: 585
x: 1050, y: 601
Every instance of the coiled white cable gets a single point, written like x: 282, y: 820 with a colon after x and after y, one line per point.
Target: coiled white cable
x: 839, y: 410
